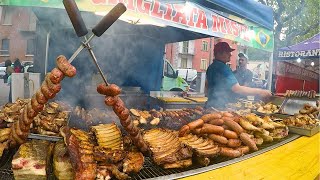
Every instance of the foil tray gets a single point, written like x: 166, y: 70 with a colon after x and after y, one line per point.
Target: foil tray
x: 44, y: 137
x: 304, y: 131
x: 293, y: 105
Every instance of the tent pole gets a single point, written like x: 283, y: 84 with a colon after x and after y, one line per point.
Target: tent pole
x: 304, y: 82
x: 270, y: 71
x: 47, y: 51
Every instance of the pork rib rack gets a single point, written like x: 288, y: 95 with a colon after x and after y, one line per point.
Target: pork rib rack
x: 80, y: 149
x: 166, y: 148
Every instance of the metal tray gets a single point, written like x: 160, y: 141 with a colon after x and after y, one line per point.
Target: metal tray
x: 293, y: 105
x: 44, y: 137
x: 304, y: 131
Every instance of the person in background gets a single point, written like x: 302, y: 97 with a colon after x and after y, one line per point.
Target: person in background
x: 243, y: 75
x: 9, y: 71
x: 222, y: 85
x: 17, y: 67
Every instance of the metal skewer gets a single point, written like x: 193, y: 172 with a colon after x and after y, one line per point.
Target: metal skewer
x: 95, y: 60
x: 81, y: 30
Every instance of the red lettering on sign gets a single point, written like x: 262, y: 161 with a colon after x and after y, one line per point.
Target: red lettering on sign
x: 215, y: 27
x: 156, y: 10
x: 191, y: 17
x: 220, y: 23
x: 143, y: 7
x: 99, y: 1
x: 243, y: 30
x: 179, y: 17
x: 235, y: 28
x: 228, y: 26
x: 130, y: 5
x: 113, y: 2
x: 168, y: 14
x: 202, y: 20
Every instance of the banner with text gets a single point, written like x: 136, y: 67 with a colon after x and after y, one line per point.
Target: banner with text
x: 293, y: 71
x: 186, y: 15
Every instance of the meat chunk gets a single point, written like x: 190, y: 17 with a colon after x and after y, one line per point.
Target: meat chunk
x: 31, y: 160
x: 166, y: 147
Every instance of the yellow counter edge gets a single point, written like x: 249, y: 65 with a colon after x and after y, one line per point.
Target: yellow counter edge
x: 298, y: 159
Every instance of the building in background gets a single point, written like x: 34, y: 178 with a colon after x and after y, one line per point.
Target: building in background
x: 198, y: 54
x: 17, y: 33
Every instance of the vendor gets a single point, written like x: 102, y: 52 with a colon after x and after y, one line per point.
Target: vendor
x: 222, y: 85
x: 242, y: 74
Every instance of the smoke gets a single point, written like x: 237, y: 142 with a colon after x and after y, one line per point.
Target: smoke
x: 126, y: 54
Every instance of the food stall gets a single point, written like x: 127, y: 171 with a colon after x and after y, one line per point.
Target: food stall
x: 303, y: 77
x: 175, y: 144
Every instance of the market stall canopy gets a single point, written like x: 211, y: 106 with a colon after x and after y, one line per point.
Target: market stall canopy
x: 308, y: 49
x: 250, y: 24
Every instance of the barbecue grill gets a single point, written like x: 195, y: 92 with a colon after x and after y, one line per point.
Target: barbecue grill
x: 151, y: 171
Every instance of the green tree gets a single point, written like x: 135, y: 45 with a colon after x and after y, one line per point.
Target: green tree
x: 294, y: 20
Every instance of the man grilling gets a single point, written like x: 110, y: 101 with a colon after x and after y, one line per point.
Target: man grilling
x: 222, y: 86
x: 243, y: 75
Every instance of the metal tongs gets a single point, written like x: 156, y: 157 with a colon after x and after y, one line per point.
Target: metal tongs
x: 81, y: 29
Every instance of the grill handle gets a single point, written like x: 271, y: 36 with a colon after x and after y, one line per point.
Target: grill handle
x: 109, y: 19
x: 75, y: 17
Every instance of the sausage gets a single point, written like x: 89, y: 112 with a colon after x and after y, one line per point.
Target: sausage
x: 195, y: 124
x: 65, y: 66
x: 233, y: 126
x: 23, y: 126
x: 111, y: 90
x: 55, y: 88
x: 218, y: 122
x: 218, y: 138
x: 134, y: 131
x: 196, y: 131
x: 229, y: 152
x: 211, y: 129
x: 227, y: 114
x: 184, y: 130
x: 118, y: 107
x: 31, y: 113
x: 208, y: 117
x: 46, y: 91
x: 244, y: 149
x: 234, y: 143
x: 37, y: 107
x: 126, y: 122
x: 124, y: 114
x: 230, y: 134
x: 26, y: 120
x: 41, y: 99
x: 245, y: 138
x: 110, y: 100
x: 129, y: 127
x: 56, y: 76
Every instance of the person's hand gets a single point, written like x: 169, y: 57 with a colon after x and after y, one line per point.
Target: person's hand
x: 265, y: 93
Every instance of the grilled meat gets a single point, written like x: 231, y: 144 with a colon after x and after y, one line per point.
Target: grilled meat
x: 108, y: 136
x: 133, y: 162
x: 80, y: 150
x: 61, y: 162
x: 31, y: 160
x: 166, y: 147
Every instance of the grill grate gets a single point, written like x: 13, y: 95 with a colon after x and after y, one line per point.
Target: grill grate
x: 150, y: 170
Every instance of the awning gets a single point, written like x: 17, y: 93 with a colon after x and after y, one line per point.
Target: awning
x: 308, y: 49
x: 249, y: 24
